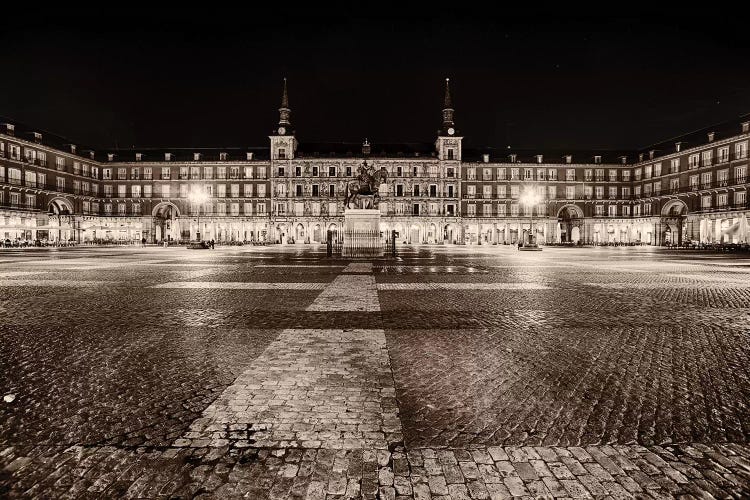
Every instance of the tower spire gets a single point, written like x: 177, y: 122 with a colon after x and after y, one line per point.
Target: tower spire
x: 448, y: 110
x: 284, y: 112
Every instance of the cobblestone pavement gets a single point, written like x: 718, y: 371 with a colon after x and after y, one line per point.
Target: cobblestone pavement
x: 446, y: 373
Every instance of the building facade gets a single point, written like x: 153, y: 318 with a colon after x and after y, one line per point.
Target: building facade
x: 690, y: 189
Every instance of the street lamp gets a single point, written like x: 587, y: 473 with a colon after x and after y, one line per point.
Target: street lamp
x: 530, y: 199
x: 198, y: 197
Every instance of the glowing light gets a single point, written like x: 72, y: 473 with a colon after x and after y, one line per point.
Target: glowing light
x: 199, y: 197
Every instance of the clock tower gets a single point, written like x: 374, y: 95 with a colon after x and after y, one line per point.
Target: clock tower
x: 448, y: 144
x: 283, y: 142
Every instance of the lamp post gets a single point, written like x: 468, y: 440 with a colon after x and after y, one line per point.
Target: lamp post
x: 198, y: 197
x: 530, y: 199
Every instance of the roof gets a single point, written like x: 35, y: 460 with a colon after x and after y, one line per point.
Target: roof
x: 503, y: 155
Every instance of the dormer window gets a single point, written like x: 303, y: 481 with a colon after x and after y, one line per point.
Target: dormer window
x: 10, y: 128
x: 677, y: 146
x: 282, y: 153
x: 138, y: 156
x: 196, y: 157
x: 640, y: 157
x: 651, y: 155
x: 711, y: 137
x: 249, y: 156
x: 110, y: 156
x: 539, y: 158
x: 222, y: 157
x: 745, y: 127
x: 624, y: 160
x: 73, y: 148
x: 568, y: 159
x: 91, y: 155
x: 167, y: 156
x: 597, y: 159
x: 486, y: 158
x: 37, y: 137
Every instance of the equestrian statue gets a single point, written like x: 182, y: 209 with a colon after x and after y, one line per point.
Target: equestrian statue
x: 366, y: 184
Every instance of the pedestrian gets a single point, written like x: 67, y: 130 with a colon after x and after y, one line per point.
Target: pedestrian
x: 520, y: 244
x: 212, y: 243
x: 143, y: 242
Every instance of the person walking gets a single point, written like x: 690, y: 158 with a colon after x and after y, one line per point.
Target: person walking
x: 212, y: 243
x: 143, y: 242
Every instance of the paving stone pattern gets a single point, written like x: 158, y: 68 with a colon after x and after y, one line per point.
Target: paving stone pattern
x: 447, y: 373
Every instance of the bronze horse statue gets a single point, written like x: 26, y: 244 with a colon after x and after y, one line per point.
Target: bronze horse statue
x: 367, y: 183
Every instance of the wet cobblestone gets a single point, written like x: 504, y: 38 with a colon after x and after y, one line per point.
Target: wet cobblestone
x: 625, y: 377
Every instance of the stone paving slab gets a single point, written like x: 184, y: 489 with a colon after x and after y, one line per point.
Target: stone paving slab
x: 310, y: 388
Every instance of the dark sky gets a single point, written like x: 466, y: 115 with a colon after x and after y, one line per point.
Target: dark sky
x: 527, y: 79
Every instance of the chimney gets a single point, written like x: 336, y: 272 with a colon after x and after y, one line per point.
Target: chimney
x: 37, y: 137
x: 167, y: 156
x: 73, y: 148
x: 486, y: 158
x: 568, y: 159
x: 249, y: 156
x: 138, y: 156
x: 91, y: 155
x: 512, y: 157
x: 539, y: 158
x: 711, y: 137
x: 10, y: 129
x: 196, y: 157
x: 624, y: 160
x: 651, y: 155
x: 640, y: 156
x: 597, y: 159
x: 110, y: 156
x: 745, y: 127
x: 677, y: 146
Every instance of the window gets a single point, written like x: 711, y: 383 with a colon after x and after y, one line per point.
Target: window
x: 626, y: 176
x: 449, y: 210
x: 121, y: 209
x: 540, y: 174
x: 221, y: 172
x: 471, y: 174
x: 315, y: 190
x: 298, y: 190
x: 599, y: 192
x: 135, y: 191
x: 471, y: 191
x: 588, y: 192
x: 247, y: 190
x: 588, y: 175
x: 740, y: 150
x: 570, y: 192
x: 501, y: 210
x: 183, y: 190
x: 674, y: 166
x: 657, y: 188
x: 471, y: 210
x: 528, y: 174
x: 706, y: 179
x: 515, y: 191
x: 487, y: 192
x: 599, y: 210
x: 331, y: 171
x: 723, y: 154
x: 261, y: 208
x: 625, y: 192
x: 165, y: 191
x: 514, y: 210
x: 166, y: 173
x: 195, y: 173
x: 298, y: 171
x: 694, y: 182
x: 60, y: 183
x: 108, y: 191
x: 501, y: 174
x: 740, y: 198
x: 221, y: 208
x: 416, y: 189
x: 248, y: 172
x: 261, y: 190
x: 399, y: 190
x: 399, y: 171
x: 647, y: 171
x: 147, y: 173
x: 136, y: 208
x: 693, y: 161
x: 487, y: 174
x: 138, y: 156
x: 722, y: 177
x: 60, y: 163
x: 415, y: 172
x: 515, y: 174
x: 15, y: 152
x: 657, y: 169
x: 626, y: 210
x: 122, y: 174
x: 552, y: 192
x: 234, y: 190
x: 450, y: 153
x: 262, y: 173
x: 222, y: 157
x: 612, y: 175
x: 147, y: 191
x: 674, y: 185
x: 612, y: 193
x: 121, y: 190
x: 451, y: 191
x: 487, y: 210
x: 570, y: 174
x: 281, y: 172
x: 599, y: 174
x: 30, y: 178
x: 281, y: 208
x: 332, y: 193
x: 433, y: 190
x: 721, y: 199
x: 281, y: 190
x: 501, y: 192
x: 235, y: 208
x: 30, y: 200
x: 612, y: 210
x: 740, y: 174
x: 707, y: 157
x: 637, y: 174
x: 108, y: 208
x: 706, y: 201
x: 449, y: 172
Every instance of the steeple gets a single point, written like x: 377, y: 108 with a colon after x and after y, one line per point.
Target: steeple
x: 448, y: 111
x: 284, y: 113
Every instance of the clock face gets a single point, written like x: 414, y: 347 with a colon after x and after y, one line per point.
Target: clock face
x: 282, y: 131
x: 451, y: 131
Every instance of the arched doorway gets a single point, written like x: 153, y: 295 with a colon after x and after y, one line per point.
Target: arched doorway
x: 317, y: 236
x: 165, y: 222
x: 414, y: 235
x: 334, y: 230
x: 673, y: 216
x: 299, y: 234
x: 570, y: 217
x: 59, y: 211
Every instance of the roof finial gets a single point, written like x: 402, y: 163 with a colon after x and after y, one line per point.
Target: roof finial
x: 284, y: 111
x: 447, y: 103
x: 284, y: 97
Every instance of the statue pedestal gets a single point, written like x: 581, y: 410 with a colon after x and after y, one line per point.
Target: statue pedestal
x: 362, y: 233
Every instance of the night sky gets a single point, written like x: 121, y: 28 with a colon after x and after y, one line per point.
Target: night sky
x: 555, y: 80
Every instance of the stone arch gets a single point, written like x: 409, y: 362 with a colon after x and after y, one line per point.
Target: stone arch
x: 674, y: 208
x: 160, y: 208
x: 60, y: 206
x: 571, y: 211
